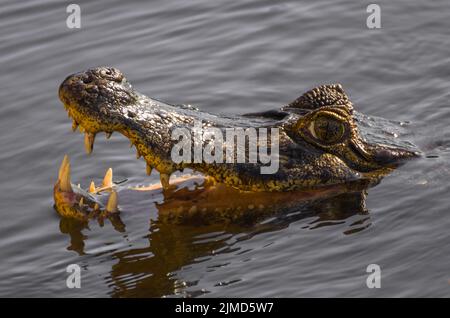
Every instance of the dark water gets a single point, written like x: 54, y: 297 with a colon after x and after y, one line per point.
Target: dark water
x: 230, y: 57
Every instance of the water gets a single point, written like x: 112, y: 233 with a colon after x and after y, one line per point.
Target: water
x: 231, y: 57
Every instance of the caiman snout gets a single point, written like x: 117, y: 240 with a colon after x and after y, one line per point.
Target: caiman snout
x: 95, y: 99
x: 92, y: 76
x: 96, y: 90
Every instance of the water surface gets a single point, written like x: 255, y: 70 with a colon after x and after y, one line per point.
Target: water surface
x: 225, y: 57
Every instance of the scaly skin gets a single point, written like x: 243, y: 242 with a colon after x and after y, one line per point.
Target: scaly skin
x: 319, y: 143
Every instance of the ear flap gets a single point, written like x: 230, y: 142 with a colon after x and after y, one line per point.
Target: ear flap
x: 324, y: 95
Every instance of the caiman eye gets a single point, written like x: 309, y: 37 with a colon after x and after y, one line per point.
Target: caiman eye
x: 327, y: 130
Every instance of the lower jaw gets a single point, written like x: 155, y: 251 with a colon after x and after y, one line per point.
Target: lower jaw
x: 213, y: 202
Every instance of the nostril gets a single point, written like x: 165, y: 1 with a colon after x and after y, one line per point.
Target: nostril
x: 86, y: 79
x: 107, y: 72
x: 110, y: 73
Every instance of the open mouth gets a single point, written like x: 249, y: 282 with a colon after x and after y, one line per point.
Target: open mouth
x: 91, y: 122
x: 153, y: 161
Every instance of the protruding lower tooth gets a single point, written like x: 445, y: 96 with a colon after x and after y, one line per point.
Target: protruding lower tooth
x: 74, y: 125
x: 92, y: 187
x: 61, y: 168
x: 64, y: 180
x: 107, y: 180
x: 111, y: 206
x: 89, y: 142
x: 148, y: 169
x: 138, y: 154
x: 96, y: 207
x: 108, y: 135
x: 164, y: 178
x: 81, y: 203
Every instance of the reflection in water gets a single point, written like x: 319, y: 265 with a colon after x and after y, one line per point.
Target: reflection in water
x: 74, y: 229
x: 148, y: 271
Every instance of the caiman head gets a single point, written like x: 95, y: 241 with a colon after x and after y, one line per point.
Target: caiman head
x: 319, y: 143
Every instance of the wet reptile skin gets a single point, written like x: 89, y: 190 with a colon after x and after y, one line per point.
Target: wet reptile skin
x: 319, y: 142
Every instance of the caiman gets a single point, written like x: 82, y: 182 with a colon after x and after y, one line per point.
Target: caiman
x: 325, y: 148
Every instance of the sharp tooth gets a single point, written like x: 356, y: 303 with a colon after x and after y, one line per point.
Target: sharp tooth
x: 74, y: 125
x: 89, y: 142
x: 138, y: 155
x: 92, y: 187
x: 81, y: 203
x: 111, y: 206
x: 107, y: 180
x: 131, y: 144
x: 108, y: 135
x: 164, y: 178
x: 63, y: 164
x: 148, y: 169
x: 64, y: 181
x: 96, y: 207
